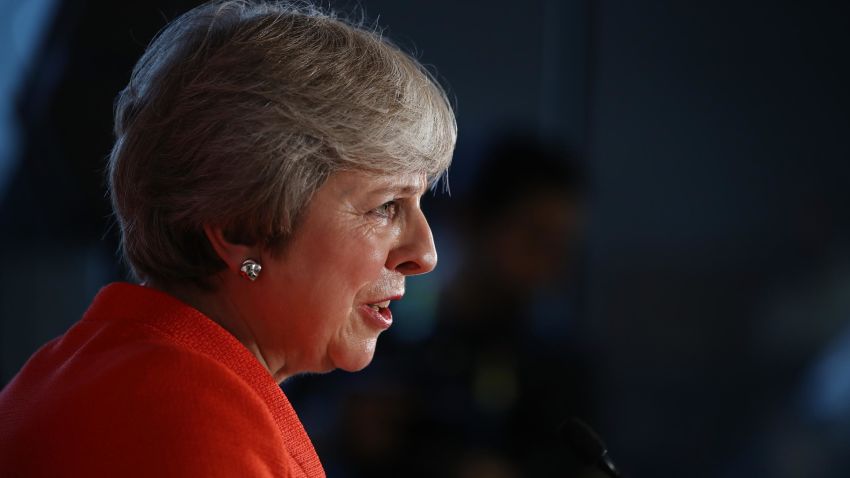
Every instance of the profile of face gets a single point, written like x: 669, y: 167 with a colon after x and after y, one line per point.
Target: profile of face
x: 322, y: 302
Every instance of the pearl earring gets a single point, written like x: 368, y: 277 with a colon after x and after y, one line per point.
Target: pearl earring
x: 250, y: 269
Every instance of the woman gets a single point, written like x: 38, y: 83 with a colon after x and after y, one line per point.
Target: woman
x: 266, y: 177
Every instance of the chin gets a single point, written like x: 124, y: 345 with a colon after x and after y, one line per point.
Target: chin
x: 354, y: 359
x: 357, y: 367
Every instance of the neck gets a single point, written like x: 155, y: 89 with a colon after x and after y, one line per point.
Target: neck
x: 221, y: 310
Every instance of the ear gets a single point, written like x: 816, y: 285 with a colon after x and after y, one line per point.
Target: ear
x: 231, y: 253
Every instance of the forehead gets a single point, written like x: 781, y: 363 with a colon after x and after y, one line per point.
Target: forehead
x: 350, y: 183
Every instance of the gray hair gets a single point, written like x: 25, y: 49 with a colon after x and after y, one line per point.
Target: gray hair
x: 237, y: 113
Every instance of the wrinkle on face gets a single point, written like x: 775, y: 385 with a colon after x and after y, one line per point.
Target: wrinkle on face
x: 338, y: 260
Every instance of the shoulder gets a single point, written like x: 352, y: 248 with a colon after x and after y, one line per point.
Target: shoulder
x: 192, y: 415
x: 142, y: 404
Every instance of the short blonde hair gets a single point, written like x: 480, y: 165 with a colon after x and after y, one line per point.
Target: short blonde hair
x: 237, y: 113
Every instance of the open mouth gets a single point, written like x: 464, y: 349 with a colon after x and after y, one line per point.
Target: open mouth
x: 380, y: 313
x: 383, y: 308
x: 380, y: 305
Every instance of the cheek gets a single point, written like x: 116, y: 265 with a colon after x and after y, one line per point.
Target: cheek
x: 338, y: 266
x: 335, y: 278
x: 362, y: 261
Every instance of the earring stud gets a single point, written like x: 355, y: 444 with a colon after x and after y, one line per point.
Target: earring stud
x: 250, y: 269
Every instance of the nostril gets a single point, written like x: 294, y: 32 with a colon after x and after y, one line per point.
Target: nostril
x: 422, y: 265
x: 409, y: 267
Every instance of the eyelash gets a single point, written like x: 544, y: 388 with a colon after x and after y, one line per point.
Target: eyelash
x: 387, y: 210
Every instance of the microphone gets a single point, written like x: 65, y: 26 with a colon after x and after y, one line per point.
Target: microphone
x: 588, y: 446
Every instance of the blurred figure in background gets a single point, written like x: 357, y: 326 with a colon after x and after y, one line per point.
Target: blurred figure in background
x: 501, y: 374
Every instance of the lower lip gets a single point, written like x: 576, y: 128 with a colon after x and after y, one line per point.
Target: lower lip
x: 382, y: 319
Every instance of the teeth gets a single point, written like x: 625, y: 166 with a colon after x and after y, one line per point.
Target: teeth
x: 380, y: 305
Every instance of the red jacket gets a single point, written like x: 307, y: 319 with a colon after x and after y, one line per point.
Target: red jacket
x: 145, y: 385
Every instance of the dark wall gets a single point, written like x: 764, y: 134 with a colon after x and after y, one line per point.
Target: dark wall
x: 719, y: 158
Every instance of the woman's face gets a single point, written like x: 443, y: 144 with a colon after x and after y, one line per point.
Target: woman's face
x: 323, y: 302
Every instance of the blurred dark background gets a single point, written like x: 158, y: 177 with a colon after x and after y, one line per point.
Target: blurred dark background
x: 647, y: 228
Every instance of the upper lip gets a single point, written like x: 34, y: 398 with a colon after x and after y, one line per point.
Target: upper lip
x: 385, y: 302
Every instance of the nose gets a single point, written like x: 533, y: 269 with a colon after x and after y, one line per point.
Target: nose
x: 415, y: 253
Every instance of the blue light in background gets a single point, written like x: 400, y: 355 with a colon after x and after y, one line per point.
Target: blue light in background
x: 21, y: 25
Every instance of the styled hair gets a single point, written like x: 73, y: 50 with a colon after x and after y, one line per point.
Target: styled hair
x: 237, y: 113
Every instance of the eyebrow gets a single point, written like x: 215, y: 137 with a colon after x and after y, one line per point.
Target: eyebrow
x: 406, y: 190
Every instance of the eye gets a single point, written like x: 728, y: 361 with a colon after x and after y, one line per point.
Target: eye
x: 387, y: 210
